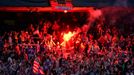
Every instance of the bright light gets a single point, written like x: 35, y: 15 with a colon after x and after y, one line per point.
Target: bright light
x: 68, y: 36
x: 65, y: 11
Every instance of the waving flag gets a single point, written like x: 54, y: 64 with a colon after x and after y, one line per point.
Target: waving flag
x: 37, y: 70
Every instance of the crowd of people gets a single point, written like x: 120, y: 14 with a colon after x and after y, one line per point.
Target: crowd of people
x: 93, y: 49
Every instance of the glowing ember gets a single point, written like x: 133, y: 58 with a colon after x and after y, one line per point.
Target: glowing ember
x: 68, y: 36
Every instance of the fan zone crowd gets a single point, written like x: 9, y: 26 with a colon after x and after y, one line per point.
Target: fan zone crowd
x: 92, y: 50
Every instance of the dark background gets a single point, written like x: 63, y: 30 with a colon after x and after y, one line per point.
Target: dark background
x: 76, y: 3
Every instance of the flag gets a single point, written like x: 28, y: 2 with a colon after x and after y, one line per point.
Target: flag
x: 37, y: 68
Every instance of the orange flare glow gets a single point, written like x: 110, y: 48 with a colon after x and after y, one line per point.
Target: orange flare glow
x: 68, y: 36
